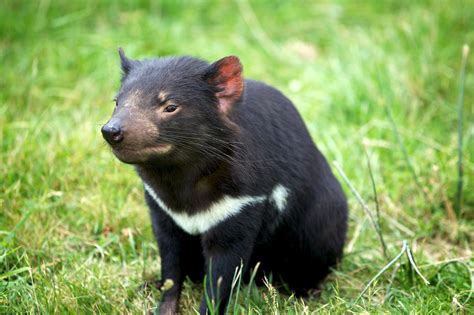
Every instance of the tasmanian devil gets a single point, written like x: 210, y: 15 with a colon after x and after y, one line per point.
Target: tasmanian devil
x: 231, y: 176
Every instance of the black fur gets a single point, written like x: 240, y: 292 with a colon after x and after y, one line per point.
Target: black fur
x: 260, y: 143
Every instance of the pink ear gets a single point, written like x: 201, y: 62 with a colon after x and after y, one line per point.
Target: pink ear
x: 226, y: 75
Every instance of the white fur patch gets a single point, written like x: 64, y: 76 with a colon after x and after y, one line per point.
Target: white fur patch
x: 202, y: 221
x: 279, y: 197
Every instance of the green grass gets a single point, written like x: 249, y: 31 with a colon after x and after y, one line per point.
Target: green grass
x: 381, y: 76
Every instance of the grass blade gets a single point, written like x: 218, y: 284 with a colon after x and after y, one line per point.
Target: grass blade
x: 235, y: 279
x: 362, y: 203
x: 407, y: 159
x: 465, y: 53
x: 239, y: 282
x: 469, y: 272
x: 412, y: 262
x: 13, y: 272
x: 252, y: 278
x: 377, y: 207
x: 385, y: 268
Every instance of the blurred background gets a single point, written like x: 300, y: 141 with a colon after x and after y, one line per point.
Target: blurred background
x: 375, y: 81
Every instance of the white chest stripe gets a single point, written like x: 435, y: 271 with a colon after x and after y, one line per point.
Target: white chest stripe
x: 279, y: 196
x: 202, y: 221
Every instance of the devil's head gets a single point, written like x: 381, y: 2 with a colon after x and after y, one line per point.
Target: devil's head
x: 174, y: 109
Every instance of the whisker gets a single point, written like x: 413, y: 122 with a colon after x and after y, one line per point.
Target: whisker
x: 210, y: 139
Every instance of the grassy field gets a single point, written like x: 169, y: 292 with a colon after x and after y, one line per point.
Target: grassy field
x: 375, y: 76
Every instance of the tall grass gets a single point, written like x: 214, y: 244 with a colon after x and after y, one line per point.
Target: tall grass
x: 380, y: 76
x: 465, y: 53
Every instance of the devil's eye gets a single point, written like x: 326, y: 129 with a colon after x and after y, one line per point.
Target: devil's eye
x: 170, y: 108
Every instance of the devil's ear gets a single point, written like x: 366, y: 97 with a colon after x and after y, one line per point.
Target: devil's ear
x: 127, y: 64
x: 226, y: 76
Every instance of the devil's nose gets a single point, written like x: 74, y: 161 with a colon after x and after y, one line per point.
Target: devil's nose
x: 112, y: 133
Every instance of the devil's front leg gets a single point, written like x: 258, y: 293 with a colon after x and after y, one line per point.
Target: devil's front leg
x: 172, y: 243
x: 226, y: 247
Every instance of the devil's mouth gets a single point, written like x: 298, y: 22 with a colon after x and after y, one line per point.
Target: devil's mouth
x: 161, y: 148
